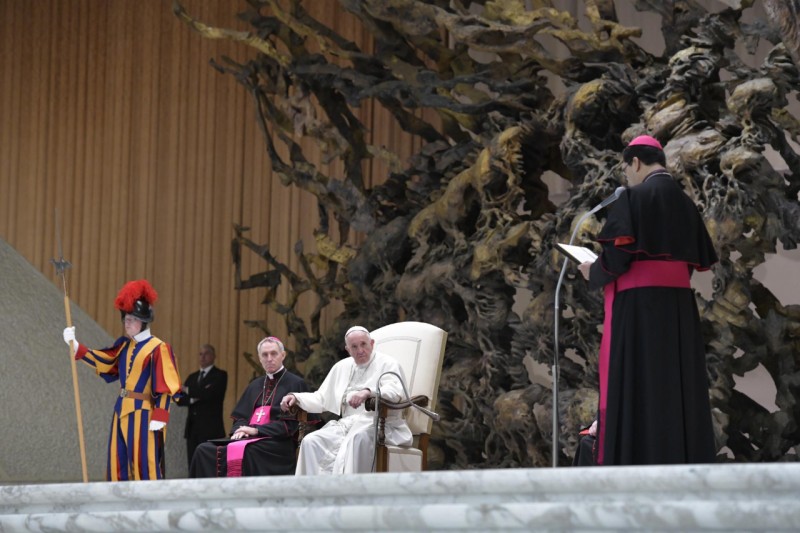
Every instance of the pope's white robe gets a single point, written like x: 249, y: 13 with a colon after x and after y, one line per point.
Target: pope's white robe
x: 346, y: 445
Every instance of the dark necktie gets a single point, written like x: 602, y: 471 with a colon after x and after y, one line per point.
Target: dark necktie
x: 201, y: 377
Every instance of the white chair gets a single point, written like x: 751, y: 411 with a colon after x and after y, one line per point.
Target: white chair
x: 419, y: 348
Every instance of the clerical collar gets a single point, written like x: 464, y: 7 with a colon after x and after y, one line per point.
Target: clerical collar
x: 276, y: 374
x: 142, y: 335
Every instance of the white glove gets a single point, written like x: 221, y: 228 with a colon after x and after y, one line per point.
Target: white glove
x: 69, y: 336
x: 155, y: 425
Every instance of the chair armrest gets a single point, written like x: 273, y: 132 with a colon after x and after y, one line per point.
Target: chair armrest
x: 369, y: 405
x: 420, y: 400
x: 301, y: 415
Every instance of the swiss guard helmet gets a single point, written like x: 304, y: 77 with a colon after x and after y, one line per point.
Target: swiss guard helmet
x: 136, y: 298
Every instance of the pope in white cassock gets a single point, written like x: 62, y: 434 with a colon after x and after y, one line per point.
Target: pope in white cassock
x: 346, y: 445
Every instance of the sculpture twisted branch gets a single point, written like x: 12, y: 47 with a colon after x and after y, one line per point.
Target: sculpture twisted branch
x: 465, y: 228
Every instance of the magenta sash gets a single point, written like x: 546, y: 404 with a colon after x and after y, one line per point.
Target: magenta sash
x: 641, y: 274
x: 235, y: 453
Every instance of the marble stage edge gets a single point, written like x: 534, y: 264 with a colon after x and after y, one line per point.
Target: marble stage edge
x: 742, y: 497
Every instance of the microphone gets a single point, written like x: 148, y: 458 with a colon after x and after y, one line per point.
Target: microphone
x: 608, y: 201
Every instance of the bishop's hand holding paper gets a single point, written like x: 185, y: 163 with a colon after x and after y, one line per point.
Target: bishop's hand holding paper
x: 579, y: 254
x: 585, y: 268
x: 585, y: 257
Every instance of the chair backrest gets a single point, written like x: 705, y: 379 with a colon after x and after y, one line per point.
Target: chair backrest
x: 419, y: 348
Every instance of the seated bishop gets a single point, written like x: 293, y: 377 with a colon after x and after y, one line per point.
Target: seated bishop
x: 263, y: 440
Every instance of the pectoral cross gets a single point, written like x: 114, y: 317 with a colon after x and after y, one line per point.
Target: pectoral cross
x: 259, y: 415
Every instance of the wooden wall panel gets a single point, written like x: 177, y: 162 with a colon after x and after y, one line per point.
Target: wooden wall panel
x: 111, y: 114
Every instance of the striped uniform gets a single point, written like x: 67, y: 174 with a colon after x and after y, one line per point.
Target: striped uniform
x: 148, y: 368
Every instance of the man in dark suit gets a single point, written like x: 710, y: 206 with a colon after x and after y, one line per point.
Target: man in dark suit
x: 204, y: 393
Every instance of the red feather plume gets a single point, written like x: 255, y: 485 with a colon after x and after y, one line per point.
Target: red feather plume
x: 139, y: 289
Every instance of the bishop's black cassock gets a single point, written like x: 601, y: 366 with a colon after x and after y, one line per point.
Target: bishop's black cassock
x: 654, y: 405
x: 275, y: 453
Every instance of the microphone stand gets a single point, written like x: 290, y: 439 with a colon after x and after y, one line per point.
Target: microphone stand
x: 555, y: 368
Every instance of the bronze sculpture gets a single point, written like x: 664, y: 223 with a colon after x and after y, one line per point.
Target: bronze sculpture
x: 454, y: 236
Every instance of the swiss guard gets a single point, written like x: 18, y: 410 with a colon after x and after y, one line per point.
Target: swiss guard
x: 148, y: 376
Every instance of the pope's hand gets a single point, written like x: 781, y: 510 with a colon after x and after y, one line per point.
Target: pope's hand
x: 288, y: 401
x: 155, y: 425
x: 357, y: 398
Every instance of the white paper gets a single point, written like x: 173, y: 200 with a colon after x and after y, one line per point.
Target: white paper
x: 578, y: 253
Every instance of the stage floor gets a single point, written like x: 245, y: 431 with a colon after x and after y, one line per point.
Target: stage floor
x: 739, y: 497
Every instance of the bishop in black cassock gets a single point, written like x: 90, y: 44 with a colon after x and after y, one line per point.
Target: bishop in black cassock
x: 654, y: 402
x: 267, y: 434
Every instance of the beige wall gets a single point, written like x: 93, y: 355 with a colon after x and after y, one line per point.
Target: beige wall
x: 111, y: 114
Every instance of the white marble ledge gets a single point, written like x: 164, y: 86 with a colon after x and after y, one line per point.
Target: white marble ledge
x: 690, y: 516
x: 698, y: 497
